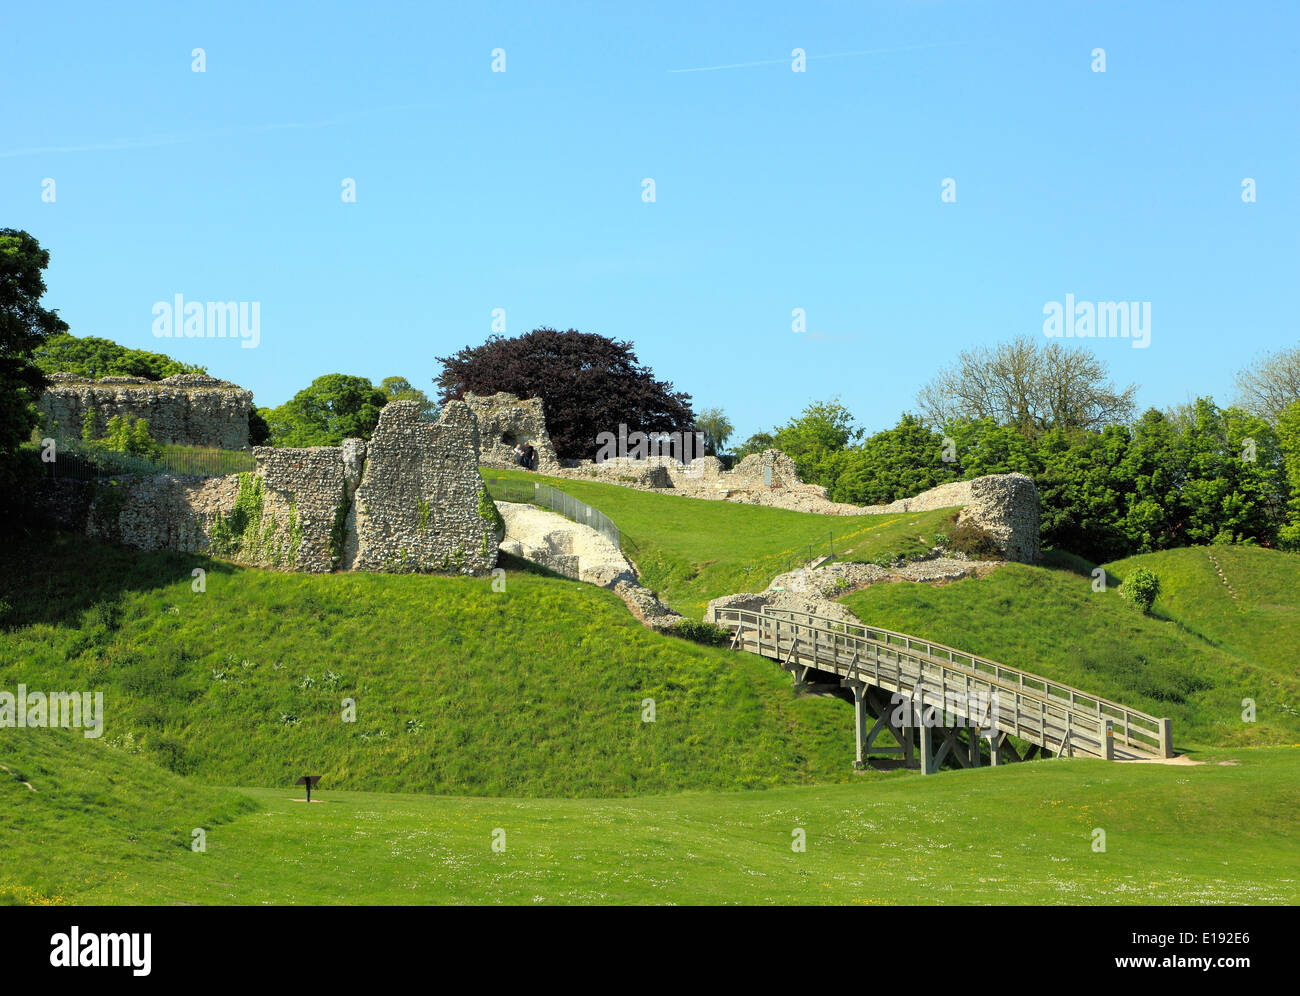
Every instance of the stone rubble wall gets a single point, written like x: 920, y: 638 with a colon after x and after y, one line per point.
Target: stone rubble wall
x: 421, y: 505
x: 503, y: 421
x: 409, y: 500
x: 184, y: 409
x: 1004, y: 505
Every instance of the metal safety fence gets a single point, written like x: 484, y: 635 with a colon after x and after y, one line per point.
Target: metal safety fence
x: 545, y: 496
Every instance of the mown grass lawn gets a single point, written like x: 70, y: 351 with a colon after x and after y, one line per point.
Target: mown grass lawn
x: 691, y: 550
x: 1020, y: 834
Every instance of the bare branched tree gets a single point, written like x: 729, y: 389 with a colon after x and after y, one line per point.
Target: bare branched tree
x: 1028, y: 385
x: 1270, y: 384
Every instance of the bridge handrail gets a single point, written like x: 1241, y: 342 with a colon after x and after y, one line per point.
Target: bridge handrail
x: 1130, y: 722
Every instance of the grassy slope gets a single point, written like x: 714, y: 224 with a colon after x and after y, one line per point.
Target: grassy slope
x: 1053, y: 623
x: 692, y: 549
x: 1262, y: 622
x: 1179, y: 835
x: 536, y: 690
x: 96, y: 819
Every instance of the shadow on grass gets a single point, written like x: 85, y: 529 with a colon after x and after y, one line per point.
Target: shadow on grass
x: 53, y: 576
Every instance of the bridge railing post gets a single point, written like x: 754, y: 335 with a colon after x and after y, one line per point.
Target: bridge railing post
x: 1166, y: 737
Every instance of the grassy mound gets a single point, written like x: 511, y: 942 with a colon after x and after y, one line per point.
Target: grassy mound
x: 690, y: 550
x: 535, y: 690
x: 77, y: 816
x: 1253, y: 610
x: 1194, y: 660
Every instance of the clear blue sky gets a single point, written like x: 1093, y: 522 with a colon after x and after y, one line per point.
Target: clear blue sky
x: 775, y: 190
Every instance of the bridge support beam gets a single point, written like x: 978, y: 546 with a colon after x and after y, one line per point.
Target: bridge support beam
x: 926, y: 736
x: 859, y: 722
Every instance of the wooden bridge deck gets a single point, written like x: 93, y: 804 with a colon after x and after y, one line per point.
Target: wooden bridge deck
x: 934, y: 690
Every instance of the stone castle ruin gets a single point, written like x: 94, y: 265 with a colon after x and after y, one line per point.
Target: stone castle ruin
x: 184, y: 409
x: 504, y: 421
x: 409, y: 500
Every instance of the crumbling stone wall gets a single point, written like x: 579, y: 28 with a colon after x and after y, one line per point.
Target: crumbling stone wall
x: 421, y: 505
x: 184, y: 409
x: 503, y: 421
x: 767, y: 478
x: 409, y: 500
x: 1004, y: 505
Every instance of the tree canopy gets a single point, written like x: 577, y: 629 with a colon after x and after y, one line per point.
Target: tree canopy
x: 89, y: 356
x: 1271, y: 384
x: 588, y: 384
x: 400, y: 389
x: 24, y: 326
x: 1027, y: 385
x: 717, y: 429
x: 333, y: 408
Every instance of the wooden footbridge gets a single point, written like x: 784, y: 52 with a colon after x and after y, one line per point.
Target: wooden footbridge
x: 943, y: 704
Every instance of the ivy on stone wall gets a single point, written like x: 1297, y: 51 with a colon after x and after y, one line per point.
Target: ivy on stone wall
x: 250, y: 535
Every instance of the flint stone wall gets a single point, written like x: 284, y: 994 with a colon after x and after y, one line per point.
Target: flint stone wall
x: 1004, y: 505
x: 184, y: 409
x: 769, y: 469
x: 419, y: 506
x: 409, y: 500
x: 503, y: 421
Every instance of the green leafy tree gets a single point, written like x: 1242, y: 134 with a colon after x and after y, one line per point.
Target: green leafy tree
x: 400, y: 389
x: 982, y: 446
x: 24, y: 326
x: 1288, y: 434
x: 1232, y: 480
x: 717, y: 429
x: 92, y: 357
x: 1081, y: 493
x: 333, y: 408
x: 131, y: 437
x: 1141, y: 588
x: 756, y: 443
x: 896, y: 463
x: 816, y: 441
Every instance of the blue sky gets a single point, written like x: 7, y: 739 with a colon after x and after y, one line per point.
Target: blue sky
x: 774, y: 190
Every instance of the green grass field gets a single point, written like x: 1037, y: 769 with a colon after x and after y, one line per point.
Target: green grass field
x: 690, y: 550
x: 521, y: 712
x: 104, y: 827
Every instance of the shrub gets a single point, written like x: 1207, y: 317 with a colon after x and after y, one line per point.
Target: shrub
x: 972, y: 540
x: 1141, y: 588
x: 702, y: 632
